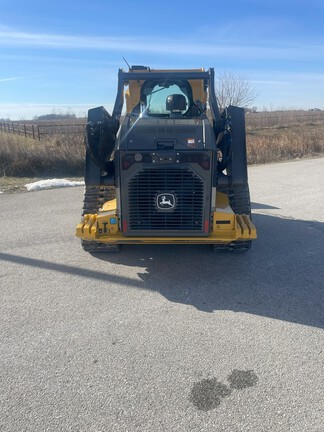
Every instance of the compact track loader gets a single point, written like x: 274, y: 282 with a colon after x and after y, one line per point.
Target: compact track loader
x: 173, y: 170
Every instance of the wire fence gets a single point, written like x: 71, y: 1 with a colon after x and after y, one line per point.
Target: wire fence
x: 40, y: 131
x: 254, y: 121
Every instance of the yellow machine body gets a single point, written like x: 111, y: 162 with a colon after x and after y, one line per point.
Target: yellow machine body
x: 226, y: 227
x: 177, y: 143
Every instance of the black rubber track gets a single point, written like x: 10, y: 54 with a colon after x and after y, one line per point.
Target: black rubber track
x: 239, y: 199
x: 94, y: 198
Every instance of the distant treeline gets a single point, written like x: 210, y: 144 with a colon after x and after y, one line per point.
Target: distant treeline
x: 55, y: 117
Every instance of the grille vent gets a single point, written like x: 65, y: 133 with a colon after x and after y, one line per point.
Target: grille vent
x: 183, y: 183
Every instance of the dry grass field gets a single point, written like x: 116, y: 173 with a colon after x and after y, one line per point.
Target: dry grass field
x: 56, y: 155
x: 279, y: 136
x: 271, y: 137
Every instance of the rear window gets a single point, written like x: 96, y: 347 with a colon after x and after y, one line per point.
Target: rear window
x: 156, y: 99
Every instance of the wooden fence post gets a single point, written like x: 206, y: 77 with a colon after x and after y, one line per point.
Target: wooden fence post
x: 38, y: 134
x: 33, y: 131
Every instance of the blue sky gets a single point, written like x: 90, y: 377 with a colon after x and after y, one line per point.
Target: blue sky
x: 65, y: 54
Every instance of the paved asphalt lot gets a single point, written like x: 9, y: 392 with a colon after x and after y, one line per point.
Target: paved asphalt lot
x: 165, y: 338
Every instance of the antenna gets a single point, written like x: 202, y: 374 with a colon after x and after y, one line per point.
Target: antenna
x: 130, y: 68
x: 127, y: 64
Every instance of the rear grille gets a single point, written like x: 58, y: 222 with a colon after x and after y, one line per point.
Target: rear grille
x: 188, y: 190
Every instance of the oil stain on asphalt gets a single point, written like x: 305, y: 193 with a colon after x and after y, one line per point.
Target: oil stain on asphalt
x: 207, y: 394
x: 240, y: 380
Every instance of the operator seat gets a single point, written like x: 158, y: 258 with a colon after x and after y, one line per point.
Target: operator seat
x: 176, y: 103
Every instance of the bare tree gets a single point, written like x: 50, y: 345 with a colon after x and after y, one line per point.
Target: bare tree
x: 232, y: 89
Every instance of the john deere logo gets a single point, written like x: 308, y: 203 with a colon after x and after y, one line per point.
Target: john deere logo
x: 165, y: 201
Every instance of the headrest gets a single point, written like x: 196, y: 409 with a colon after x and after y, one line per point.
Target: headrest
x: 176, y: 102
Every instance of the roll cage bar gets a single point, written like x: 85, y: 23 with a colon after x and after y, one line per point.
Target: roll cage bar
x: 208, y: 77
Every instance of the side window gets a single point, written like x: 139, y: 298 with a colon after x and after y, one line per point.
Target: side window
x: 156, y: 99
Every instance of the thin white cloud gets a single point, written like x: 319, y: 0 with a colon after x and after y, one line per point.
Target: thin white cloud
x: 161, y: 46
x: 16, y: 78
x: 10, y: 79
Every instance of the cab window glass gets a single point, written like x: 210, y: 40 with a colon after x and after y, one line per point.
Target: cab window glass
x: 156, y: 99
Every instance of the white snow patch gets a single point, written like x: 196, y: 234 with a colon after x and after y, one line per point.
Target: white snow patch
x: 52, y: 183
x: 1, y: 192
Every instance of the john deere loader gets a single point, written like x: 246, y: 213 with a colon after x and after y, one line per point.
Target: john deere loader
x: 169, y: 169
